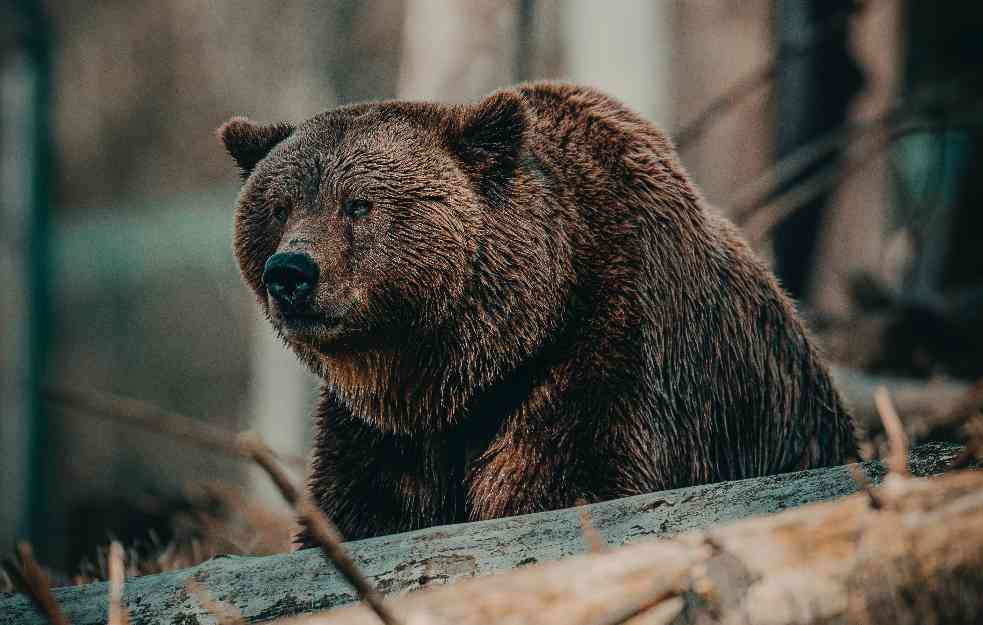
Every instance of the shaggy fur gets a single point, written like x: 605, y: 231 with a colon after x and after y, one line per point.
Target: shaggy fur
x: 537, y: 307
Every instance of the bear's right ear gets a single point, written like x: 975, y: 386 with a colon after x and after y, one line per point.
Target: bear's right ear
x: 488, y: 137
x: 248, y: 142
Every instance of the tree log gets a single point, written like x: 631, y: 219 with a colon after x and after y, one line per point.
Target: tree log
x: 923, y: 405
x: 917, y: 558
x: 266, y: 587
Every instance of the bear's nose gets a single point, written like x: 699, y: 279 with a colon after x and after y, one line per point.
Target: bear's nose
x: 290, y: 279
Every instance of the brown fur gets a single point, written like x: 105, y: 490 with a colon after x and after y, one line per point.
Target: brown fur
x: 537, y: 308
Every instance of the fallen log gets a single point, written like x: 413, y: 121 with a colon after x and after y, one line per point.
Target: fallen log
x: 263, y: 588
x: 916, y: 559
x: 921, y: 404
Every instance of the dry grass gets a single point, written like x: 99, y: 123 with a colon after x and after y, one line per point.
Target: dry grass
x: 221, y: 520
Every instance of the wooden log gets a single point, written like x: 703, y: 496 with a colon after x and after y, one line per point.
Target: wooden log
x: 262, y: 588
x: 916, y: 559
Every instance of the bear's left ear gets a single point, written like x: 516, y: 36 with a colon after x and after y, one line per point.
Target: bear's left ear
x: 488, y: 136
x: 248, y: 142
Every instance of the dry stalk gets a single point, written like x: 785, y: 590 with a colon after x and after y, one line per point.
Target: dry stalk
x: 31, y: 578
x: 320, y: 528
x: 592, y: 537
x: 897, y: 461
x: 117, y: 573
x: 865, y: 486
x: 222, y: 612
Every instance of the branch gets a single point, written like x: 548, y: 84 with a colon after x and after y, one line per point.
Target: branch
x: 751, y: 83
x: 320, y: 528
x: 897, y: 441
x: 147, y: 416
x: 28, y: 575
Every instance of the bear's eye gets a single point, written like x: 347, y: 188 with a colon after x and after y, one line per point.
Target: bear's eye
x: 356, y: 209
x: 280, y: 214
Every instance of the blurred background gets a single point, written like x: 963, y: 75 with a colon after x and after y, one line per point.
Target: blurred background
x: 844, y: 138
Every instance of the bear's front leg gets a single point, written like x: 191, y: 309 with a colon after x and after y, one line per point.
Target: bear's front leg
x: 524, y: 472
x: 551, y: 454
x: 370, y: 483
x: 520, y: 477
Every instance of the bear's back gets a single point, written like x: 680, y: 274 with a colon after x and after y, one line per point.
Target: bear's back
x: 684, y: 304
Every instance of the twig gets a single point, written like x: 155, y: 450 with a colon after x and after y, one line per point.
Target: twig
x: 897, y: 460
x: 32, y: 579
x: 222, y: 612
x: 760, y: 191
x: 751, y: 197
x: 320, y: 528
x: 749, y: 84
x: 147, y: 416
x: 759, y: 221
x: 898, y: 120
x: 591, y: 536
x: 864, y: 485
x: 117, y: 613
x: 759, y: 216
x: 725, y: 102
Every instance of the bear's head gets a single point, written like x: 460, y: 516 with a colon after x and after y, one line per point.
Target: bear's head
x: 360, y: 227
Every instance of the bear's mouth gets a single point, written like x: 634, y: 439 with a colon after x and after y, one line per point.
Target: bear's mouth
x: 309, y: 321
x: 320, y: 325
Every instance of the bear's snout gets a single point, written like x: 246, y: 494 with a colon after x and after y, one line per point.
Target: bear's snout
x: 290, y: 278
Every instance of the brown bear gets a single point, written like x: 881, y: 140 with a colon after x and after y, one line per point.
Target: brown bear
x: 517, y: 304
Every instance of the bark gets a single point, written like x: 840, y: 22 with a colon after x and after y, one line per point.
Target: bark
x: 917, y: 559
x: 266, y: 587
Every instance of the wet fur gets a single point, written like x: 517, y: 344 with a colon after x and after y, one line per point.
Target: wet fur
x: 542, y: 310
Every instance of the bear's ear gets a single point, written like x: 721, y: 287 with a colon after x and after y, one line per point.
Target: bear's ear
x: 488, y: 136
x: 248, y: 142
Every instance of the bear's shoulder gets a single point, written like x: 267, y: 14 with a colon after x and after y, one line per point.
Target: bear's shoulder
x: 564, y: 109
x: 578, y: 100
